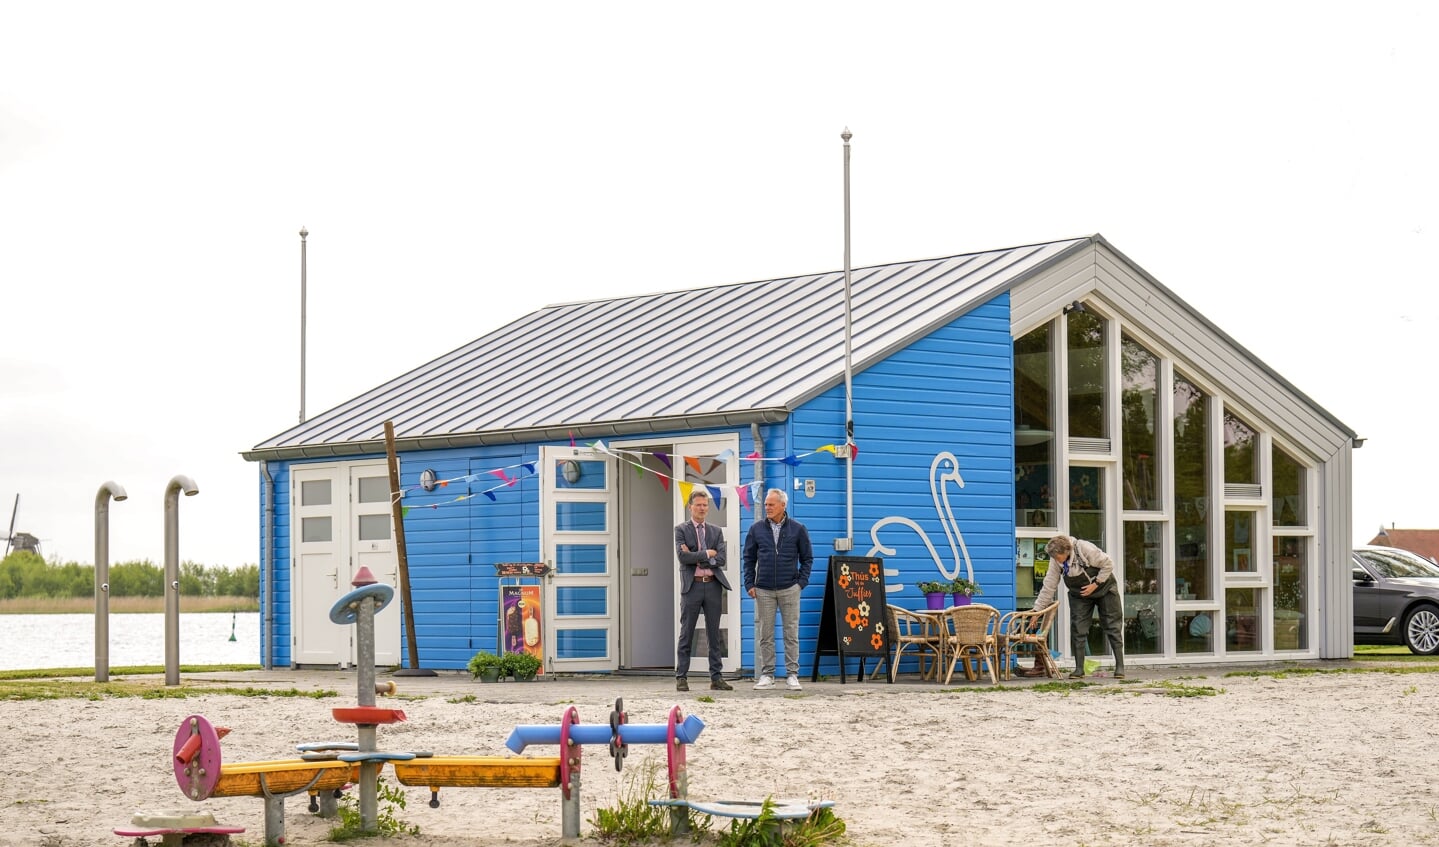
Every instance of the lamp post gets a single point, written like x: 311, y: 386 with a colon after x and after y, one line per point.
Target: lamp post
x: 172, y: 573
x: 102, y: 576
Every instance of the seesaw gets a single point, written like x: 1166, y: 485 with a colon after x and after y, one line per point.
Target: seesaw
x: 202, y: 774
x: 562, y: 771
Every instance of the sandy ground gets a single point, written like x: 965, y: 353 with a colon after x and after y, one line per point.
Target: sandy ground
x: 1326, y: 759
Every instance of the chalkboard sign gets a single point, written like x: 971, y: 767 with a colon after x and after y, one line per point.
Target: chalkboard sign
x: 853, y: 620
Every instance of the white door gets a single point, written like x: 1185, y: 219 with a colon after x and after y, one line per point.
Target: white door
x: 578, y: 537
x: 319, y: 572
x: 697, y: 462
x: 341, y: 521
x: 372, y: 542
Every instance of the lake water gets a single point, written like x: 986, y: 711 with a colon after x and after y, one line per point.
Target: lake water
x: 29, y: 642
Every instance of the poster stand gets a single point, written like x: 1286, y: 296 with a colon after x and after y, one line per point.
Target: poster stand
x: 852, y: 622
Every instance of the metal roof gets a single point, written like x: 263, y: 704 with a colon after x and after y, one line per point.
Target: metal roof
x: 612, y: 367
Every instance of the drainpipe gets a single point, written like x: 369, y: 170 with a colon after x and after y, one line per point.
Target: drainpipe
x: 102, y: 576
x: 759, y: 452
x: 177, y: 484
x: 267, y: 564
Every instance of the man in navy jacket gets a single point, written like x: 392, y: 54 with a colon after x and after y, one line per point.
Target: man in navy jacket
x: 776, y: 566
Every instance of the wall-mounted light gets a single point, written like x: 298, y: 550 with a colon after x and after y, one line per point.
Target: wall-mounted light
x: 1076, y: 306
x: 571, y: 471
x: 428, y: 479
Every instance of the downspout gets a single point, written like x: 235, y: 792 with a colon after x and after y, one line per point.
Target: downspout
x: 267, y: 559
x: 759, y: 454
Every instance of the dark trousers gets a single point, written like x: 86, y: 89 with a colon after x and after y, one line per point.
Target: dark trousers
x: 706, y: 597
x: 1111, y: 619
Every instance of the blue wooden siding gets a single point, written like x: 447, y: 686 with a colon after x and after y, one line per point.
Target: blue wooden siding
x: 275, y: 574
x: 951, y: 391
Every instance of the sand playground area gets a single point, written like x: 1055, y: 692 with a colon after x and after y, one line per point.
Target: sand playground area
x: 1325, y: 758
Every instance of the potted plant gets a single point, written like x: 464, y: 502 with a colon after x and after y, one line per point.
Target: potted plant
x: 934, y: 593
x: 486, y: 666
x: 522, y: 666
x: 963, y: 590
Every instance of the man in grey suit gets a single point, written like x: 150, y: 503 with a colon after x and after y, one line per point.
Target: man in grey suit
x: 701, y: 550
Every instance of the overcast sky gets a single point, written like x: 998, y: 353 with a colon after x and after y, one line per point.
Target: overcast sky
x: 460, y: 165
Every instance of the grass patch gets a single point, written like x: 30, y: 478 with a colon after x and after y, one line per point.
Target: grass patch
x: 123, y: 605
x: 1291, y: 672
x: 126, y: 670
x: 31, y: 688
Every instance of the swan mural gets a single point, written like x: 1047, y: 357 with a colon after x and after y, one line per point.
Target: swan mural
x: 944, y: 468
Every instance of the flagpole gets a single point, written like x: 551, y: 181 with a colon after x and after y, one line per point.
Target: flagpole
x: 848, y: 370
x: 304, y: 233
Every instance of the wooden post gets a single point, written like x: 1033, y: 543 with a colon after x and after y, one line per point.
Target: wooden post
x: 397, y: 511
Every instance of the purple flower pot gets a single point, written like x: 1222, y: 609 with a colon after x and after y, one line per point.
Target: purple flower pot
x: 934, y: 601
x: 961, y: 599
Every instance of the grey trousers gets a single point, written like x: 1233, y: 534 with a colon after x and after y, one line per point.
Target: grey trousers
x: 1111, y: 620
x: 765, y: 603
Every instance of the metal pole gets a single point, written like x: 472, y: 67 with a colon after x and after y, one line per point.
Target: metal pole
x: 172, y: 573
x: 102, y: 576
x: 304, y: 233
x: 848, y: 368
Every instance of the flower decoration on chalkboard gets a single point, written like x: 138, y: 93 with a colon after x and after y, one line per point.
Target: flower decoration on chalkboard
x: 876, y: 641
x: 874, y: 568
x: 844, y: 580
x: 844, y: 568
x: 864, y: 608
x: 851, y: 617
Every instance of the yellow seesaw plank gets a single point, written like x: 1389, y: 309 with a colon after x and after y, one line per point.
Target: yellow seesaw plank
x: 282, y: 777
x: 479, y: 772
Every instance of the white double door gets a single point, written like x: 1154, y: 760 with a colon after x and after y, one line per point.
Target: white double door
x: 340, y: 522
x: 613, y: 597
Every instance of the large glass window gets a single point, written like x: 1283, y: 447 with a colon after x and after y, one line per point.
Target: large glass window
x: 1086, y: 504
x: 1241, y: 451
x: 1138, y: 399
x: 1143, y: 604
x: 1289, y: 489
x: 1243, y: 620
x: 1291, y: 593
x: 1088, y: 375
x: 1239, y: 541
x: 1034, y: 428
x: 1191, y: 492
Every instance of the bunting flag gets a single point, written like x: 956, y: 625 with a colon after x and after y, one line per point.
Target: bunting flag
x: 749, y: 494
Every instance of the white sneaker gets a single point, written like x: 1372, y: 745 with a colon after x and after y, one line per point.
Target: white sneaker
x: 793, y: 683
x: 765, y: 682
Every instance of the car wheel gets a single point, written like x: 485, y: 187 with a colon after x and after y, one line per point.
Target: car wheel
x: 1421, y: 631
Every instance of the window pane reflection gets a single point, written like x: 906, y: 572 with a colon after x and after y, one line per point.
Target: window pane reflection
x: 1289, y: 491
x: 1191, y: 492
x: 1033, y: 429
x: 1139, y: 369
x: 1087, y: 376
x: 1243, y: 620
x: 1143, y: 602
x: 1291, y: 593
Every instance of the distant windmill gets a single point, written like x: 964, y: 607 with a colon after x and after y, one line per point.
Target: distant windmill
x: 19, y: 541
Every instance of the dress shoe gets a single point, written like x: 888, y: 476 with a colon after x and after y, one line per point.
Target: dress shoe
x: 720, y: 685
x: 682, y: 684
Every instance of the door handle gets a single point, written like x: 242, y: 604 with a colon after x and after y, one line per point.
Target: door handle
x: 335, y: 577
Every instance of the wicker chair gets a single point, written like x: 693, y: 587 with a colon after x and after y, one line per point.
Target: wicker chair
x: 917, y: 633
x: 1026, y: 634
x: 968, y: 634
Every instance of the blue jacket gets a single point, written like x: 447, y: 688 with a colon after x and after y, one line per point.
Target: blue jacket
x: 775, y: 570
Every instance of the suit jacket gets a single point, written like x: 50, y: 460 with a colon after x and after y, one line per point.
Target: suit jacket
x: 714, y: 540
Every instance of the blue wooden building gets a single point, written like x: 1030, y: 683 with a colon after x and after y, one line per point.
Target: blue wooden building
x: 998, y: 398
